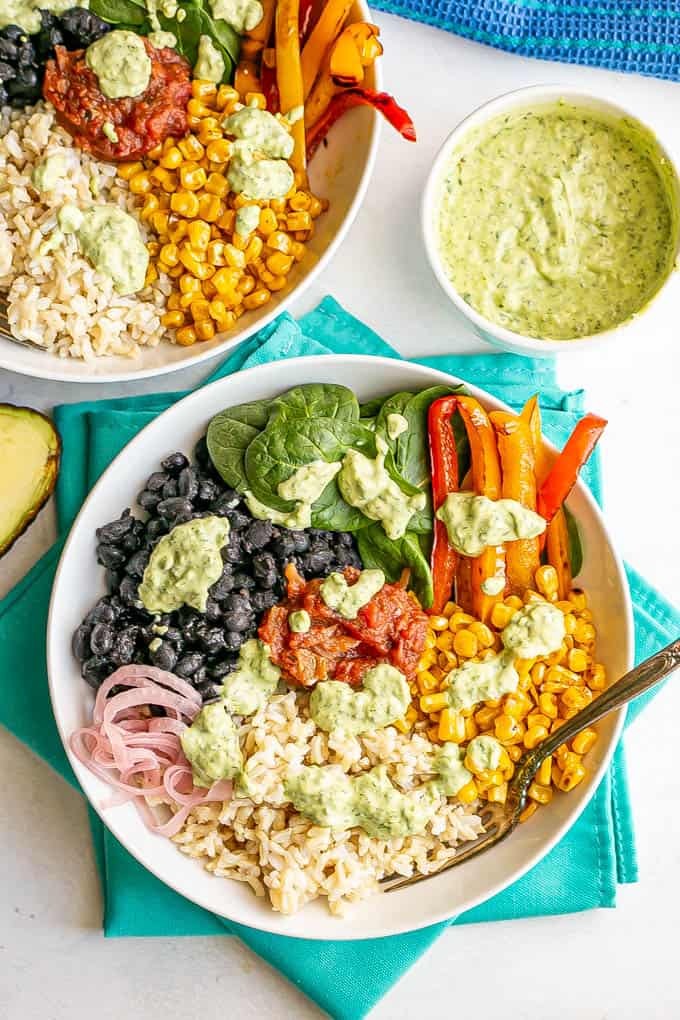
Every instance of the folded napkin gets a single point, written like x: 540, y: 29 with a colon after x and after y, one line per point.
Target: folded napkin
x: 641, y: 36
x: 345, y: 979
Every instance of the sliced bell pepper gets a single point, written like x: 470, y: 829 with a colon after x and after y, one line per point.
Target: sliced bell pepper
x: 557, y: 548
x: 268, y: 85
x: 516, y: 451
x: 486, y: 481
x: 345, y: 100
x: 531, y: 414
x: 564, y: 472
x: 444, y: 466
x: 355, y: 49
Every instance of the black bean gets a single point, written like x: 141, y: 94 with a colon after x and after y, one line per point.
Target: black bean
x: 112, y: 532
x: 237, y: 620
x: 104, y: 612
x: 317, y: 562
x: 232, y: 552
x: 80, y: 643
x: 83, y: 26
x: 207, y: 490
x: 169, y: 489
x: 238, y: 520
x: 94, y: 670
x: 225, y: 503
x: 213, y: 640
x: 233, y: 640
x: 8, y: 50
x: 221, y: 667
x: 174, y: 463
x: 200, y: 676
x: 213, y: 610
x: 3, y: 96
x: 125, y: 646
x: 136, y: 565
x: 155, y: 528
x: 163, y: 655
x: 128, y: 590
x: 224, y: 585
x: 284, y: 546
x: 157, y: 480
x: 189, y: 663
x: 262, y: 600
x: 174, y: 636
x: 110, y: 556
x: 243, y: 581
x: 131, y: 542
x: 263, y: 565
x: 101, y: 639
x: 257, y: 535
x: 13, y: 32
x: 6, y: 71
x: 343, y: 538
x: 300, y: 541
x: 187, y: 483
x: 175, y: 509
x: 25, y: 85
x: 148, y: 500
x: 208, y: 689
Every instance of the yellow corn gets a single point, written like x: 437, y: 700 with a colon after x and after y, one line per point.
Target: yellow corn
x: 465, y: 644
x: 501, y: 615
x: 173, y: 319
x: 584, y: 741
x: 198, y: 234
x: 540, y: 794
x: 572, y: 775
x: 128, y: 170
x: 577, y: 660
x: 546, y: 581
x: 451, y: 726
x: 534, y: 735
x: 186, y: 336
x: 434, y: 702
x: 468, y: 793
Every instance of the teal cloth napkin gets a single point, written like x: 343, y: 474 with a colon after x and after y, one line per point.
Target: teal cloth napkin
x: 345, y: 979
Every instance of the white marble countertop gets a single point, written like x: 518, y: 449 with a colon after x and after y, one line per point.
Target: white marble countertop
x: 618, y: 965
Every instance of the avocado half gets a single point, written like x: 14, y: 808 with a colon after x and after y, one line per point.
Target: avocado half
x: 30, y: 450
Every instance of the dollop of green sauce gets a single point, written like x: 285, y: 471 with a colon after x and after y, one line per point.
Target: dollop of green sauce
x: 475, y: 522
x: 210, y: 62
x: 348, y: 599
x: 247, y: 689
x: 121, y: 64
x: 535, y: 630
x: 383, y: 699
x: 484, y: 753
x: 184, y: 565
x: 370, y: 801
x: 365, y: 484
x: 111, y: 241
x: 557, y: 222
x: 309, y: 481
x: 247, y: 219
x: 211, y: 745
x: 299, y: 621
x: 242, y: 15
x: 26, y: 13
x: 396, y: 425
x: 297, y: 520
x: 161, y: 39
x: 258, y: 167
x: 48, y: 172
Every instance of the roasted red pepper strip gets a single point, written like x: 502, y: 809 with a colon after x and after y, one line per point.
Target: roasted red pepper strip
x: 564, y: 472
x: 444, y: 464
x: 345, y: 100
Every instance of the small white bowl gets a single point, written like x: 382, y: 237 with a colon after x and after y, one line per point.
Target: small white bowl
x: 525, y: 98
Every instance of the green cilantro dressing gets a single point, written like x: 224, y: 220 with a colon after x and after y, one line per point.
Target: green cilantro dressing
x: 366, y: 485
x: 258, y: 167
x: 348, y: 599
x: 212, y: 746
x: 121, y: 64
x: 475, y: 522
x: 299, y: 621
x: 48, y: 172
x: 484, y: 753
x: 25, y: 13
x: 329, y: 797
x: 309, y: 481
x: 493, y: 585
x: 396, y: 425
x: 109, y: 130
x: 184, y: 565
x: 161, y: 39
x: 253, y: 681
x: 210, y: 62
x: 242, y: 15
x: 297, y: 520
x: 557, y: 222
x: 535, y: 630
x: 247, y: 219
x: 383, y: 699
x: 111, y: 240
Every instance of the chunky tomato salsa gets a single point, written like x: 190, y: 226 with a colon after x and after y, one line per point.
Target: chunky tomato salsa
x: 390, y: 628
x: 119, y: 129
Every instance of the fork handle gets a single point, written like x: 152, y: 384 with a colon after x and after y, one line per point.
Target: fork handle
x: 640, y: 679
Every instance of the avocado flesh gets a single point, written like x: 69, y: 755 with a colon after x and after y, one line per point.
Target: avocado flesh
x: 30, y: 448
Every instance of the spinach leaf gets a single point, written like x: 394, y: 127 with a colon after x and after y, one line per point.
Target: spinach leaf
x: 390, y: 556
x: 228, y: 439
x: 332, y: 513
x: 187, y: 32
x: 393, y: 472
x: 119, y: 12
x: 575, y: 544
x: 255, y: 413
x: 411, y: 450
x: 275, y: 454
x: 315, y: 400
x: 222, y: 33
x: 371, y: 408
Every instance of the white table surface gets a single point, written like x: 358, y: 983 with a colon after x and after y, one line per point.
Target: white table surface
x: 618, y: 965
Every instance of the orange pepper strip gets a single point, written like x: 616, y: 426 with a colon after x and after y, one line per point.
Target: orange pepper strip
x: 531, y: 414
x: 289, y: 74
x: 486, y: 481
x: 516, y: 450
x: 557, y: 546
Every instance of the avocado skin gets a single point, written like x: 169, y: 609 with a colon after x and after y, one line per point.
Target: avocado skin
x: 50, y: 471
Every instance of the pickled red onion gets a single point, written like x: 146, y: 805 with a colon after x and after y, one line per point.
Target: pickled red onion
x: 139, y: 754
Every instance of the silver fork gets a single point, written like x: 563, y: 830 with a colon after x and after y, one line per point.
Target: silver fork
x: 499, y: 820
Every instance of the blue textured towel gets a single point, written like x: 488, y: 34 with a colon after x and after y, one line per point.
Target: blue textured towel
x: 640, y: 36
x: 346, y: 979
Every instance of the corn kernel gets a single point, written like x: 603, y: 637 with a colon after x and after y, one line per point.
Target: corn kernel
x: 577, y: 660
x: 173, y: 319
x: 186, y: 336
x: 548, y: 705
x: 534, y: 735
x: 584, y: 633
x: 184, y: 203
x: 584, y: 741
x: 128, y: 170
x: 546, y: 581
x: 540, y: 794
x: 198, y: 234
x: 465, y: 644
x: 597, y: 678
x: 508, y: 729
x: 501, y: 615
x: 210, y: 208
x: 572, y: 775
x: 544, y: 774
x: 140, y: 183
x: 205, y: 330
x: 529, y: 810
x: 484, y: 717
x: 498, y: 794
x: 468, y: 793
x: 451, y: 726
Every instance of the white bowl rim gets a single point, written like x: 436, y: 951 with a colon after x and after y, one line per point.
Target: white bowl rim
x: 86, y: 779
x: 485, y: 111
x: 228, y: 346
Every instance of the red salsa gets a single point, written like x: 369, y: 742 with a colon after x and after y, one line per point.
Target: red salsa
x: 390, y: 628
x: 139, y: 122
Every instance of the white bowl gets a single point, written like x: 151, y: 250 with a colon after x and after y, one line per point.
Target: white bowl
x: 79, y: 582
x: 524, y: 98
x: 339, y: 172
